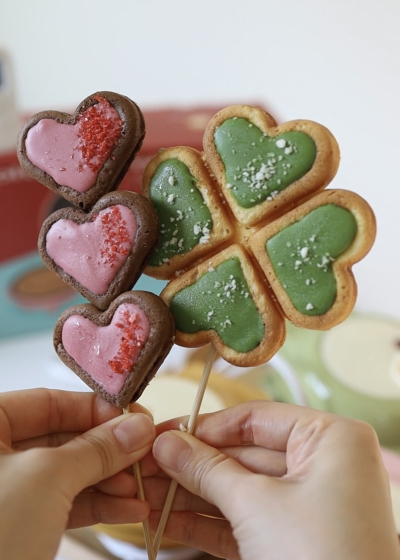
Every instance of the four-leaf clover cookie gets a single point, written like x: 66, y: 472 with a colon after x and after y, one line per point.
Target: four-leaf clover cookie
x: 249, y: 236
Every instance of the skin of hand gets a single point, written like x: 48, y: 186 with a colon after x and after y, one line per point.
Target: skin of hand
x: 272, y: 481
x: 62, y: 465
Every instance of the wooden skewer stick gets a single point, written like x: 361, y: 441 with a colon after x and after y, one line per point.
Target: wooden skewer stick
x: 189, y: 429
x: 140, y: 492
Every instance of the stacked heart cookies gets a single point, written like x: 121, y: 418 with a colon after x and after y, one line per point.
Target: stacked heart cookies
x: 101, y: 246
x: 250, y: 237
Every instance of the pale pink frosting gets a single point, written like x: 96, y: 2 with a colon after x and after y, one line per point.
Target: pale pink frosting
x: 53, y: 147
x: 93, y: 252
x: 56, y: 148
x: 98, y: 349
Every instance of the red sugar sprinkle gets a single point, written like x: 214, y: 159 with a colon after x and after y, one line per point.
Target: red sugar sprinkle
x: 116, y: 234
x: 132, y: 342
x: 98, y: 129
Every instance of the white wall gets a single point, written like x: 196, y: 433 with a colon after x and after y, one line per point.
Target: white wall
x: 333, y: 61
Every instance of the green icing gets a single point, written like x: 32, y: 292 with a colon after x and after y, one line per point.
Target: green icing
x: 302, y: 255
x: 184, y: 217
x: 256, y: 167
x: 220, y: 300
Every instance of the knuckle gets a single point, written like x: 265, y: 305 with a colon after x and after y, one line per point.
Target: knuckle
x: 99, y: 512
x: 225, y: 541
x: 206, y: 472
x: 362, y: 431
x: 55, y: 415
x: 54, y: 440
x: 246, y: 427
x: 308, y: 431
x: 39, y: 462
x: 103, y: 451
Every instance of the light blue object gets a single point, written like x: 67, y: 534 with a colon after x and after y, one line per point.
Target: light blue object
x: 18, y: 319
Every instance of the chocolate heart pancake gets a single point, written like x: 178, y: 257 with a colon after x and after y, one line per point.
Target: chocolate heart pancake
x: 101, y: 254
x: 85, y: 155
x: 117, y: 352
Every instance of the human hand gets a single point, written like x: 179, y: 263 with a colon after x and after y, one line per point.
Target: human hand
x: 282, y: 481
x: 62, y: 461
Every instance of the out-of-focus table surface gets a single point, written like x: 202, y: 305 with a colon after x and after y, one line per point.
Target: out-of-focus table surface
x: 81, y: 544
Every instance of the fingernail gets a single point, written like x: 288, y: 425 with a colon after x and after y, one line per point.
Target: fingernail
x: 134, y: 432
x: 172, y: 451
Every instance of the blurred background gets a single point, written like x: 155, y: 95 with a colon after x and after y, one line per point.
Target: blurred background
x: 334, y: 62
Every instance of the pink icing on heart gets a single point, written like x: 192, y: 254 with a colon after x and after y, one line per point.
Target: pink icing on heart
x: 108, y: 353
x: 93, y: 252
x: 74, y: 154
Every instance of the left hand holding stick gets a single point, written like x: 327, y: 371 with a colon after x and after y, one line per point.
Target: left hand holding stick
x: 62, y: 461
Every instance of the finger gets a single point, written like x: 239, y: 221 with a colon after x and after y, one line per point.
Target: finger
x: 258, y: 459
x: 4, y: 448
x: 37, y: 412
x: 156, y: 490
x: 213, y: 536
x: 149, y: 467
x: 104, y: 451
x: 94, y: 507
x: 60, y: 438
x: 121, y: 485
x: 40, y: 411
x: 262, y: 423
x: 48, y: 440
x: 203, y: 470
x: 55, y: 440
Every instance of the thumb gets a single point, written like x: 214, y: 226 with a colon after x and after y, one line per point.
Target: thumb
x: 201, y: 469
x: 105, y: 450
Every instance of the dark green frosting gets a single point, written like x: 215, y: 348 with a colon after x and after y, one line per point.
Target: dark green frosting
x: 220, y: 300
x: 302, y: 255
x: 258, y: 167
x: 184, y: 218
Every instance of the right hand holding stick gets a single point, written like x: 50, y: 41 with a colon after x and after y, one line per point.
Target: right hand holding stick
x: 280, y: 482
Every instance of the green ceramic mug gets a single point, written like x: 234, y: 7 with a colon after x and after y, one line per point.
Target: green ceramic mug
x: 352, y: 370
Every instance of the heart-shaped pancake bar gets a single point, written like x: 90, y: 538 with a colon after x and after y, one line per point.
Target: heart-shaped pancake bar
x: 307, y: 256
x: 85, y: 155
x: 225, y: 301
x: 193, y: 222
x: 117, y: 352
x: 263, y: 168
x: 101, y: 254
